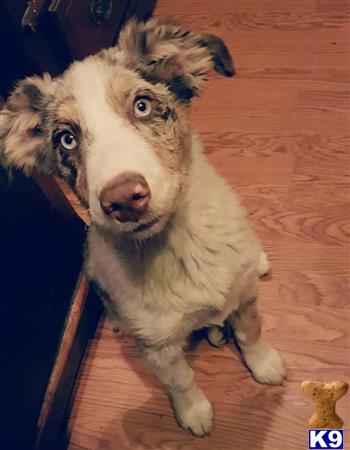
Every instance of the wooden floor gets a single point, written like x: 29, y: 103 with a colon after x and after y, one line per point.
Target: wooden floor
x: 279, y: 133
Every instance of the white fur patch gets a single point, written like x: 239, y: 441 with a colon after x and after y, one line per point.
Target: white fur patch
x: 193, y: 411
x: 264, y: 265
x: 264, y: 362
x: 116, y: 145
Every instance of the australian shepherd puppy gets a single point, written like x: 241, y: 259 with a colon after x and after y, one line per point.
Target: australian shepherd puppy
x: 169, y: 247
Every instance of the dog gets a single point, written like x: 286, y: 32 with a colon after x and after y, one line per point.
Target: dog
x: 169, y: 247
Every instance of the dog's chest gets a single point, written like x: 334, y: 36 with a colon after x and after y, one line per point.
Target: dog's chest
x: 164, y: 296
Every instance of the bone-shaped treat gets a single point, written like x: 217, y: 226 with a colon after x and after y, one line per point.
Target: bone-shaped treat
x: 325, y: 396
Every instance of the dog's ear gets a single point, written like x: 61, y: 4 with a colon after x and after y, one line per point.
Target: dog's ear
x: 166, y: 52
x: 23, y: 141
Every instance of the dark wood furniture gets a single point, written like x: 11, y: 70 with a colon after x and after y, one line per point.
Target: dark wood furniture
x: 47, y: 310
x: 46, y: 35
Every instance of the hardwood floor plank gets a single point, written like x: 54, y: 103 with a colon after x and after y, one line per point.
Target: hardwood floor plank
x: 164, y: 7
x: 266, y: 20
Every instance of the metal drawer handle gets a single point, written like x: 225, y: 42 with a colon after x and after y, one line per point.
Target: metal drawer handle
x: 101, y: 10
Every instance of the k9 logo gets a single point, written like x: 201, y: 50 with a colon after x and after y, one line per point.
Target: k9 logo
x: 326, y: 438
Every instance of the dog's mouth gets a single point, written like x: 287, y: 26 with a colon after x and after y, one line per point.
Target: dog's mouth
x: 146, y: 226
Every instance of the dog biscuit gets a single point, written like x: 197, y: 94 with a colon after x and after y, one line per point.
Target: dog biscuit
x: 325, y: 395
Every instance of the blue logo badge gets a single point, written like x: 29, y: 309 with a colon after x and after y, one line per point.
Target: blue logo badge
x: 326, y: 439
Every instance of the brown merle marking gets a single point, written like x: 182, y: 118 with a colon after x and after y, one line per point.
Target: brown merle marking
x: 163, y: 51
x: 246, y: 320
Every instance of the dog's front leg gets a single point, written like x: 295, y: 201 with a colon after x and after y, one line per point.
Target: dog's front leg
x: 192, y: 409
x: 263, y: 360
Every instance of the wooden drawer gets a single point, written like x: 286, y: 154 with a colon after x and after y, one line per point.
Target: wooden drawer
x: 83, y: 27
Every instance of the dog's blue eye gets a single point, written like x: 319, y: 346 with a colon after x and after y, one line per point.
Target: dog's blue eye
x: 68, y: 141
x: 142, y: 107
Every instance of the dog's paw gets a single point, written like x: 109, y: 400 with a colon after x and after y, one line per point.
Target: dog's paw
x: 265, y: 363
x: 193, y: 412
x: 264, y: 265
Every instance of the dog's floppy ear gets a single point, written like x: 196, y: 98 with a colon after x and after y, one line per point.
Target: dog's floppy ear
x: 166, y: 52
x: 23, y: 142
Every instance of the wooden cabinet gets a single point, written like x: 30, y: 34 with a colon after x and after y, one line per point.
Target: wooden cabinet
x: 46, y: 35
x: 40, y: 265
x: 72, y: 24
x: 47, y: 310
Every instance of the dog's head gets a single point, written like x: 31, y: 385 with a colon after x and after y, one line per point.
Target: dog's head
x: 116, y: 125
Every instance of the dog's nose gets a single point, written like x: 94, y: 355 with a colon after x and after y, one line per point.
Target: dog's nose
x: 126, y: 197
